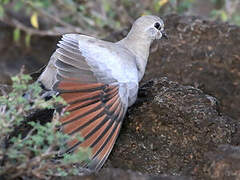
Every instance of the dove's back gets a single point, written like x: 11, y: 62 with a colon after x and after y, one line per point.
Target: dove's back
x: 98, y: 80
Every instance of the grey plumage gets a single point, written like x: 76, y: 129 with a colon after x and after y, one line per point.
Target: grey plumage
x: 99, y: 80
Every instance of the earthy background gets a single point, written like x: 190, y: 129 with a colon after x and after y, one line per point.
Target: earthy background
x: 186, y: 121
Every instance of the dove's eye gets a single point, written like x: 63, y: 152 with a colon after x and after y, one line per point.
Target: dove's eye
x: 157, y: 25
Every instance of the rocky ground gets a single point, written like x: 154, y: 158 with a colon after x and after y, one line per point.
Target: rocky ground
x: 186, y: 122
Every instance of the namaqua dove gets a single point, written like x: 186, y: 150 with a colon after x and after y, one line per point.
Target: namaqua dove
x: 99, y: 80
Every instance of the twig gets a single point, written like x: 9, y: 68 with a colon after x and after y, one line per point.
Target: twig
x: 54, y: 18
x: 56, y: 31
x: 17, y: 24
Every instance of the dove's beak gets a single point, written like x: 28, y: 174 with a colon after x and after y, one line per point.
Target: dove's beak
x: 164, y: 34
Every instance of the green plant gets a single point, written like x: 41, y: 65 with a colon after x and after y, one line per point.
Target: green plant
x: 184, y: 5
x: 32, y: 153
x: 55, y: 17
x: 178, y: 6
x: 227, y: 10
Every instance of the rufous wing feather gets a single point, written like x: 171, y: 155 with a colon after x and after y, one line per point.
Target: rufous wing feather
x: 95, y: 113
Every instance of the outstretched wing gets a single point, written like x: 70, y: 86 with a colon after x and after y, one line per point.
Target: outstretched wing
x: 96, y: 114
x: 97, y: 102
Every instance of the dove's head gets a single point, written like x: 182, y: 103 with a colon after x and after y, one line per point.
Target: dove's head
x: 144, y: 31
x: 148, y: 27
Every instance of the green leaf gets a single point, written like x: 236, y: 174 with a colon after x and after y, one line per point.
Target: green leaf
x: 16, y: 35
x: 185, y: 5
x: 220, y: 14
x: 6, y: 1
x: 224, y: 16
x: 106, y: 5
x: 1, y: 11
x: 15, y: 79
x: 17, y: 6
x: 236, y: 19
x: 28, y: 40
x: 41, y: 139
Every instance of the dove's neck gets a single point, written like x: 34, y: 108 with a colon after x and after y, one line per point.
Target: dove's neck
x: 139, y: 46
